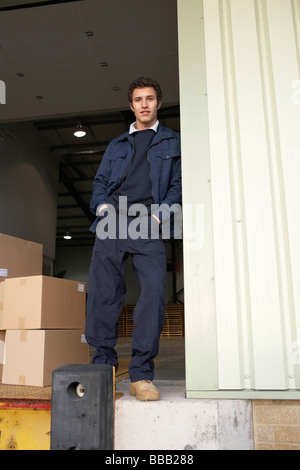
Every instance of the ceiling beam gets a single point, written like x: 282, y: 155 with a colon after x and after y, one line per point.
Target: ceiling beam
x: 123, y: 116
x: 69, y: 186
x: 84, y: 146
x: 18, y: 4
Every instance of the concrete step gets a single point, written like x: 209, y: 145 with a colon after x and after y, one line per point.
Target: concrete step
x: 177, y: 423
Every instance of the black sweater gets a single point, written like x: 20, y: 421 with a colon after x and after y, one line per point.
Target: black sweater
x: 137, y: 183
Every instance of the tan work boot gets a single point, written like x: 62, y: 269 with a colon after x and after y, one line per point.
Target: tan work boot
x: 144, y: 390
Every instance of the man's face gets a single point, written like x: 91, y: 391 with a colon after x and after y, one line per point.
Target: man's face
x: 145, y: 106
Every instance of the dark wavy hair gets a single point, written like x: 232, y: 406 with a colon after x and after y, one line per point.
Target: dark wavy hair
x: 143, y: 82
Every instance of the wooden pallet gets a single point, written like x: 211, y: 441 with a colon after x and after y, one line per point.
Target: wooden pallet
x: 173, y: 325
x: 129, y: 319
x: 122, y: 324
x: 174, y: 320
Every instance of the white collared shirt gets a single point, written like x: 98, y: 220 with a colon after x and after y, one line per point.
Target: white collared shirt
x: 134, y: 129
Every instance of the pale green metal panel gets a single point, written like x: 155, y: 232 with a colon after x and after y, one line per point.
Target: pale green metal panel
x: 200, y: 321
x: 244, y: 137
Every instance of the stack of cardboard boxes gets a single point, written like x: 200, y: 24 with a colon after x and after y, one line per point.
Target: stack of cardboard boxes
x: 41, y: 318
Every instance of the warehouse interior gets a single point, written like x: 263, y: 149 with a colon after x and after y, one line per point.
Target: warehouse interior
x: 69, y: 64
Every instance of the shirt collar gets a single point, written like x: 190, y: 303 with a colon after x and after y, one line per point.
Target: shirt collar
x: 134, y: 129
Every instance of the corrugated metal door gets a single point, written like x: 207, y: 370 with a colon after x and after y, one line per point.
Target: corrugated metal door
x: 253, y: 113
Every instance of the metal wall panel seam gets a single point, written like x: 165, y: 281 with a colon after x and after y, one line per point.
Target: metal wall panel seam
x: 237, y: 193
x: 200, y: 323
x: 285, y: 60
x: 277, y: 185
x: 295, y: 5
x: 262, y: 262
x: 229, y: 353
x: 221, y: 116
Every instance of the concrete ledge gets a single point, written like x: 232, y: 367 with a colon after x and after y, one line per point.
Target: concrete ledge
x: 178, y: 423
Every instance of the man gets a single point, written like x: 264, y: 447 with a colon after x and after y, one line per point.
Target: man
x: 142, y: 167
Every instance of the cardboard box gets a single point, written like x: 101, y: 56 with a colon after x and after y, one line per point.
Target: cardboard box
x: 32, y: 355
x: 1, y: 302
x: 19, y: 257
x: 42, y: 302
x: 2, y: 352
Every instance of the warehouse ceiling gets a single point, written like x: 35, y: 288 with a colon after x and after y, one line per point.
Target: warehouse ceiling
x: 72, y: 62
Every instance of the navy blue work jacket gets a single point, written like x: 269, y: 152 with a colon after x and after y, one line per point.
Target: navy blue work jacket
x: 164, y: 157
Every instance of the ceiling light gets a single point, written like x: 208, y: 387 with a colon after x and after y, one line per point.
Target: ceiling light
x: 80, y: 132
x: 67, y: 236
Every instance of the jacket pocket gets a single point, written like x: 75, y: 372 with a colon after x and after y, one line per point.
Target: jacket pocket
x: 119, y: 163
x: 163, y: 165
x: 167, y: 153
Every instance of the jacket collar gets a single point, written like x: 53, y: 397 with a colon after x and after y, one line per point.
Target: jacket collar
x: 133, y: 128
x: 162, y: 133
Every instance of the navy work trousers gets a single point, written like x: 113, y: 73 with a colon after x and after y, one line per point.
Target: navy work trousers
x: 106, y: 292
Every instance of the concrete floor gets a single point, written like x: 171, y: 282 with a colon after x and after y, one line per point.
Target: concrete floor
x: 175, y: 422
x: 170, y: 362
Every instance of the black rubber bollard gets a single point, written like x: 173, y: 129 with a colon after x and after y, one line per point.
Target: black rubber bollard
x: 82, y: 407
